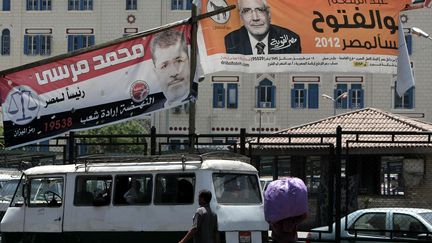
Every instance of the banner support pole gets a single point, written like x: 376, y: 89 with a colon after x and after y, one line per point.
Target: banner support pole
x: 193, y: 59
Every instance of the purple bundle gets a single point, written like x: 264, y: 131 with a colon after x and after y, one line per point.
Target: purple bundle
x: 285, y: 198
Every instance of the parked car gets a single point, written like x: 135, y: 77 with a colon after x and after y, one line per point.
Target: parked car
x: 381, y: 223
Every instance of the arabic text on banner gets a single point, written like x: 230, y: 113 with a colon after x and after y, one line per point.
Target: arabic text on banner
x: 125, y: 80
x: 303, y: 36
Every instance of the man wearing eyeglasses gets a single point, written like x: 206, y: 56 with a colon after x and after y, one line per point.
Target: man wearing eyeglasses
x: 171, y: 64
x: 258, y: 36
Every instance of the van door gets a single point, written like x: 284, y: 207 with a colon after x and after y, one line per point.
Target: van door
x: 44, y: 212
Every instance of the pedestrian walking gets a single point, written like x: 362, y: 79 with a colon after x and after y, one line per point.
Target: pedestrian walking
x: 204, y: 227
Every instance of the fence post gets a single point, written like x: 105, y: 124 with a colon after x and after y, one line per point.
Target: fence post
x: 338, y: 185
x: 153, y: 140
x: 71, y: 147
x: 243, y: 141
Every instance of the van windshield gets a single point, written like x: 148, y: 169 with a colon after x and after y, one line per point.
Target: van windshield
x: 8, y: 189
x: 236, y: 188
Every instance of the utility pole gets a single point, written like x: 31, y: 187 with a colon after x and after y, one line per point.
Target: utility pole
x: 193, y: 63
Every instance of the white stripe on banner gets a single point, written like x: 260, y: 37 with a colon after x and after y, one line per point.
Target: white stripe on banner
x: 405, y: 79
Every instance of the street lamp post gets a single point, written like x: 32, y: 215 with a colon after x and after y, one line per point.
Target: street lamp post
x: 341, y: 96
x: 420, y: 32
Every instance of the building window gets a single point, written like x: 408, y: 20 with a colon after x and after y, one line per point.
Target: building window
x: 80, y: 5
x: 37, y: 45
x: 266, y: 94
x: 219, y: 95
x: 5, y: 42
x: 392, y: 183
x: 38, y: 5
x: 76, y: 42
x: 304, y: 96
x: 181, y: 4
x: 354, y: 98
x: 305, y: 92
x: 131, y: 4
x: 6, y: 5
x: 406, y: 101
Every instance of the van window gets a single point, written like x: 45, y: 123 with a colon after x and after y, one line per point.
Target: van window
x: 18, y: 199
x: 92, y: 190
x: 133, y: 189
x: 236, y: 188
x: 174, y: 189
x: 8, y: 189
x: 46, y: 192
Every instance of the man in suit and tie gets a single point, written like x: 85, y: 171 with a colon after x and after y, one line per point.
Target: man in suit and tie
x: 257, y: 36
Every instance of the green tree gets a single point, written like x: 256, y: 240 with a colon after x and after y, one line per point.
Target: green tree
x: 117, y: 145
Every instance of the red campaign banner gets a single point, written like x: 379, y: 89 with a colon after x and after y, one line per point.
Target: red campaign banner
x: 301, y: 36
x: 130, y: 78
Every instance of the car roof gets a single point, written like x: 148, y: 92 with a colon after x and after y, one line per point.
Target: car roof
x: 395, y: 209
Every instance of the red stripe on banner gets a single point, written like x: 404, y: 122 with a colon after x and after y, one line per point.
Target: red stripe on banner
x: 72, y: 70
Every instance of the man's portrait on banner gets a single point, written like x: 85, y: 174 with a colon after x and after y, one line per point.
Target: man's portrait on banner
x: 258, y: 36
x: 171, y: 65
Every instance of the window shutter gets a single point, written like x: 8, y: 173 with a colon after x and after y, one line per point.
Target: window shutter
x: 215, y: 94
x: 236, y: 92
x: 91, y: 40
x: 410, y: 97
x: 223, y: 96
x: 408, y: 39
x: 189, y: 4
x: 273, y: 96
x: 48, y: 45
x: 81, y: 5
x: 38, y: 44
x: 70, y: 43
x: 257, y: 96
x: 342, y: 88
x: 80, y: 40
x: 361, y: 93
x: 293, y: 98
x: 313, y: 96
x: 6, y: 5
x: 218, y: 90
x: 350, y: 96
x: 26, y: 43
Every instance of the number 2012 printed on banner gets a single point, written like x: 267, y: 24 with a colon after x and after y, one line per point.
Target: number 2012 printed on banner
x: 324, y: 42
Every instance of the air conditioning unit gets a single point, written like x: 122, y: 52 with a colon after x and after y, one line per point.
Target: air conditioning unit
x: 265, y: 104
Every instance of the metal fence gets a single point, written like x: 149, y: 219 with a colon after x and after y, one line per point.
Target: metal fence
x: 341, y: 178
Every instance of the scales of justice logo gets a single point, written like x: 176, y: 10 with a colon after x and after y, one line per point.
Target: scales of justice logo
x: 22, y: 105
x: 214, y: 5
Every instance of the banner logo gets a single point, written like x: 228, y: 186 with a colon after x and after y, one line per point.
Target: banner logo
x: 23, y: 105
x: 139, y: 90
x: 214, y: 5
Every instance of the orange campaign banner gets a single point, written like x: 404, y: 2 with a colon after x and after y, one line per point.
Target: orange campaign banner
x: 300, y: 36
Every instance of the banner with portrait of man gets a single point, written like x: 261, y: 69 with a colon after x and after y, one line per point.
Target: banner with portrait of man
x: 102, y: 85
x: 301, y: 36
